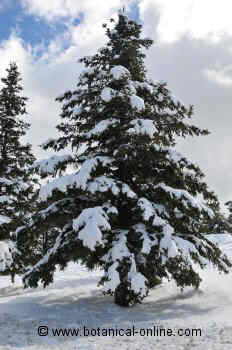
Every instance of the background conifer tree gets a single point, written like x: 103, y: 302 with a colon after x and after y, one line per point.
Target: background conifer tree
x: 16, y: 158
x: 134, y: 206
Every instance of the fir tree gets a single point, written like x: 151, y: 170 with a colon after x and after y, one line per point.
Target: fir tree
x: 16, y: 158
x: 31, y: 246
x: 134, y: 206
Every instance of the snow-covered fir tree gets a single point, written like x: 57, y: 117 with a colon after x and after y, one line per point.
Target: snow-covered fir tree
x: 134, y: 206
x: 16, y: 178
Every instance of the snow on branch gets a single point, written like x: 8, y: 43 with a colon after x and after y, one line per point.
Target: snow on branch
x: 5, y: 199
x: 186, y: 197
x: 119, y: 72
x: 90, y: 224
x: 44, y: 260
x: 4, y: 219
x: 168, y: 246
x: 116, y: 255
x: 152, y: 210
x: 113, y: 278
x: 19, y: 185
x: 137, y: 102
x: 6, y: 259
x: 137, y: 280
x: 176, y: 157
x: 143, y: 86
x: 104, y: 184
x: 51, y: 165
x: 185, y: 246
x: 149, y: 240
x: 143, y: 127
x: 147, y: 208
x: 56, y: 207
x: 173, y: 155
x: 101, y: 127
x: 5, y: 181
x: 107, y: 94
x: 78, y: 179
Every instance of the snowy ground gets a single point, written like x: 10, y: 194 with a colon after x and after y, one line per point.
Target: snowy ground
x: 74, y: 301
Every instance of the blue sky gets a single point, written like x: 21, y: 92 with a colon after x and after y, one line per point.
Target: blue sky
x: 32, y: 29
x: 36, y: 30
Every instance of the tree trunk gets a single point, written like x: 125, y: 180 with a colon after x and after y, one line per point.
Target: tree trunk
x: 122, y: 295
x: 12, y: 274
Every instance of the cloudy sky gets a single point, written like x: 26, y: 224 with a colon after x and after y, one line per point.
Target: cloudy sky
x: 192, y: 52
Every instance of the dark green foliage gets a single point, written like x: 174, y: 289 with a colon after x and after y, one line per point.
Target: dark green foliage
x: 134, y: 206
x: 16, y: 158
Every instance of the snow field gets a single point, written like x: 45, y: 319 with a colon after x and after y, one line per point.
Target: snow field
x: 74, y: 301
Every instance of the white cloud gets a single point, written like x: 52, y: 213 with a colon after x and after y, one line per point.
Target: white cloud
x: 57, y: 70
x: 55, y: 9
x: 210, y: 20
x: 221, y: 76
x: 180, y: 64
x: 92, y: 14
x: 88, y: 34
x: 13, y: 49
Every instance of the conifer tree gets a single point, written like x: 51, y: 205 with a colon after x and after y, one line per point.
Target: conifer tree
x: 134, y: 206
x: 16, y: 158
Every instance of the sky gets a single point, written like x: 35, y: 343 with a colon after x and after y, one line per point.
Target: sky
x: 192, y: 52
